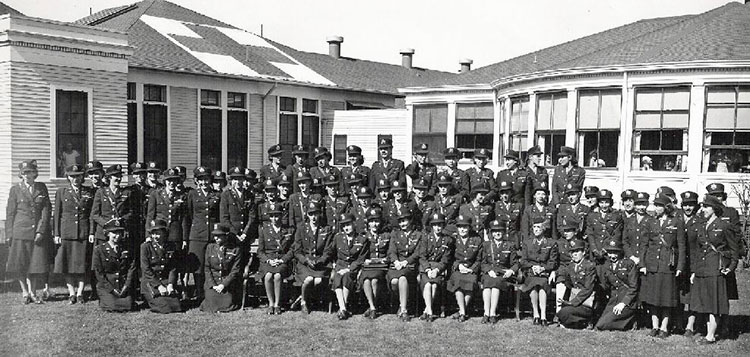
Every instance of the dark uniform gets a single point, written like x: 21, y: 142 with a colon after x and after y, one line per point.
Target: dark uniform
x: 391, y: 170
x: 110, y: 205
x: 448, y: 206
x: 349, y: 252
x: 294, y: 169
x: 663, y: 254
x: 426, y: 171
x: 601, y: 227
x: 563, y: 176
x: 580, y: 280
x: 468, y: 252
x: 481, y: 216
x: 435, y: 253
x: 203, y: 212
x: 422, y: 207
x: 114, y: 267
x: 499, y: 256
x: 298, y: 204
x: 360, y: 212
x: 459, y: 180
x: 223, y: 264
x: 71, y: 223
x: 484, y: 175
x: 159, y: 268
x: 404, y: 246
x: 538, y: 251
x: 310, y: 249
x: 635, y: 230
x: 273, y: 244
x: 378, y: 252
x: 568, y: 213
x: 334, y: 207
x: 234, y: 211
x: 270, y: 171
x: 530, y: 214
x: 518, y: 179
x: 394, y: 208
x: 620, y: 279
x: 172, y: 208
x: 511, y: 213
x: 534, y: 175
x: 731, y: 216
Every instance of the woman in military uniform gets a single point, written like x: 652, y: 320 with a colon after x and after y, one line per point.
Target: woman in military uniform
x: 349, y: 250
x: 223, y: 264
x: 398, y: 204
x: 620, y: 280
x: 27, y: 228
x: 579, y: 278
x: 202, y: 213
x: 310, y: 248
x: 508, y: 211
x: 71, y: 226
x: 375, y: 265
x: 663, y: 260
x: 403, y: 253
x: 539, y: 209
x: 565, y: 258
x: 359, y: 210
x: 478, y: 209
x: 539, y: 256
x: 159, y: 271
x: 447, y: 202
x: 114, y: 266
x: 712, y: 259
x: 434, y: 257
x: 466, y: 263
x: 275, y: 254
x: 499, y: 264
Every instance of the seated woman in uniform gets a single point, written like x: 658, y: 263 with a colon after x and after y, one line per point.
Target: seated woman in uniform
x: 114, y: 267
x: 499, y: 263
x: 222, y: 271
x: 466, y: 261
x: 274, y: 253
x: 714, y: 257
x: 348, y: 249
x: 403, y: 253
x: 579, y: 277
x: 620, y: 278
x: 375, y: 265
x: 569, y: 234
x: 539, y: 256
x: 159, y: 271
x: 310, y: 247
x: 434, y: 257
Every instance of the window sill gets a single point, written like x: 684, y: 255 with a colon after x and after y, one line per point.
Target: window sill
x: 659, y: 174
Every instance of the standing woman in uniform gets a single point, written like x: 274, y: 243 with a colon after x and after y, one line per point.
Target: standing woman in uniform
x: 539, y: 256
x: 375, y: 265
x: 27, y: 228
x: 466, y: 263
x: 202, y: 213
x: 478, y: 209
x: 159, y: 271
x: 274, y: 254
x: 223, y: 262
x: 499, y: 263
x: 114, y: 266
x: 662, y: 261
x: 539, y: 208
x: 71, y: 226
x: 403, y: 253
x: 714, y: 256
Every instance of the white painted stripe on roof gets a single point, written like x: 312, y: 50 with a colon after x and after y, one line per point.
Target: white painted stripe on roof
x: 243, y: 37
x: 224, y: 64
x: 168, y: 27
x: 302, y: 73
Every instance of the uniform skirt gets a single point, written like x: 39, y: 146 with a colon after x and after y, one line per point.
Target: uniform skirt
x: 265, y: 268
x: 533, y: 281
x: 28, y: 257
x: 575, y: 317
x: 489, y: 282
x: 196, y: 256
x: 660, y: 289
x: 409, y: 273
x: 161, y: 304
x: 216, y: 302
x: 709, y: 295
x: 465, y: 282
x: 423, y: 280
x: 347, y: 281
x: 372, y: 273
x: 304, y: 271
x: 111, y: 303
x: 71, y: 257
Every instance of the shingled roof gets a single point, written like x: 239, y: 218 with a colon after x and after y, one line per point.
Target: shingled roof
x: 5, y: 9
x: 721, y: 34
x: 169, y: 37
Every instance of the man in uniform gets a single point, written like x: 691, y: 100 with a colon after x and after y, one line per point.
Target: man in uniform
x: 354, y: 165
x: 459, y: 179
x: 515, y: 175
x: 479, y: 174
x: 567, y: 171
x: 301, y: 156
x: 603, y: 225
x: 620, y: 279
x: 572, y: 211
x: 421, y: 168
x: 386, y: 167
x: 274, y: 168
x: 535, y: 173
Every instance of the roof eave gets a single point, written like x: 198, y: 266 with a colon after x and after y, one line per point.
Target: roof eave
x: 445, y: 88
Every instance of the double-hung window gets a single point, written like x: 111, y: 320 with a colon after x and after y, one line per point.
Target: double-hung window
x: 660, y: 136
x: 726, y: 143
x: 551, y: 115
x: 599, y: 127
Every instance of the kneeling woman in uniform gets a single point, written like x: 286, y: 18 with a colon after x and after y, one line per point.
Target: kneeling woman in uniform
x: 466, y: 260
x: 348, y: 249
x: 274, y: 253
x: 435, y: 254
x: 221, y: 270
x: 538, y: 260
x: 499, y: 261
x: 375, y: 265
x: 310, y: 248
x: 619, y: 278
x: 579, y: 277
x: 159, y: 271
x: 403, y: 252
x: 114, y: 267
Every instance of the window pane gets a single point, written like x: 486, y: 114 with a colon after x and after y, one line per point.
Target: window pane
x: 465, y: 111
x: 611, y: 104
x: 650, y: 140
x: 155, y: 134
x: 560, y: 112
x: 310, y: 131
x: 72, y: 133
x: 720, y: 138
x: 439, y: 120
x: 485, y: 110
x: 339, y: 149
x: 648, y: 100
x: 720, y: 95
x: 719, y: 118
x: 464, y: 126
x: 675, y: 120
x: 236, y: 138
x: 519, y: 114
x: 744, y: 95
x: 544, y: 113
x: 132, y: 132
x: 484, y: 126
x: 287, y: 104
x: 131, y: 91
x: 588, y: 110
x: 309, y: 106
x: 676, y: 99
x: 211, y: 138
x: 210, y: 98
x: 437, y: 144
x: 648, y: 121
x: 742, y: 138
x: 743, y: 118
x: 672, y: 140
x: 421, y: 120
x: 728, y: 160
x: 236, y: 100
x: 154, y: 93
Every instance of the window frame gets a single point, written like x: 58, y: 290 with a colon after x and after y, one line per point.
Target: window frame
x: 636, y: 152
x: 301, y: 117
x: 600, y: 92
x: 520, y: 134
x: 550, y: 132
x: 237, y: 109
x: 90, y: 151
x: 163, y: 103
x: 339, y: 151
x: 435, y: 154
x: 736, y: 105
x: 207, y: 104
x: 466, y: 152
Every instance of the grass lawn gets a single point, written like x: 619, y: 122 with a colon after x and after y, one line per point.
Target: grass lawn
x: 57, y: 328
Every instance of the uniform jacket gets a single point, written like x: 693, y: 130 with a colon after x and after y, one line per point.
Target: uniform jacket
x: 571, y: 214
x: 202, y: 213
x: 109, y: 205
x: 459, y: 181
x: 269, y: 172
x: 485, y: 175
x: 621, y: 279
x: 390, y: 172
x: 348, y: 253
x: 561, y: 178
x: 334, y: 208
x: 275, y: 245
x: 235, y: 212
x: 292, y: 171
x: 542, y: 252
x: 468, y: 254
x: 500, y: 256
x: 579, y: 276
x: 72, y: 213
x: 158, y: 265
x: 511, y: 213
x: 635, y: 234
x: 539, y: 174
x: 360, y: 217
x: 480, y: 215
x: 422, y: 210
x: 602, y: 227
x: 427, y: 171
x: 435, y: 252
x: 668, y: 237
x: 113, y: 269
x: 715, y: 249
x: 360, y: 170
x: 223, y: 264
x: 405, y: 246
x: 312, y: 244
x: 378, y: 246
x: 532, y: 211
x: 265, y: 207
x: 563, y: 251
x: 322, y: 173
x: 448, y: 206
x: 27, y: 214
x: 393, y: 208
x: 518, y: 179
x: 298, y: 205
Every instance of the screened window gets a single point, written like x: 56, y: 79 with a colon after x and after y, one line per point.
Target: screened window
x: 660, y: 129
x: 431, y: 128
x: 236, y: 100
x: 210, y: 98
x: 551, y: 115
x: 71, y: 128
x: 131, y: 91
x: 298, y: 125
x: 154, y: 93
x: 519, y: 124
x: 237, y: 130
x: 211, y: 129
x: 155, y: 134
x: 339, y: 149
x: 474, y: 124
x: 599, y: 127
x: 726, y: 145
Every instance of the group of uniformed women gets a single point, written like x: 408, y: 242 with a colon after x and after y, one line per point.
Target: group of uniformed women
x: 360, y: 228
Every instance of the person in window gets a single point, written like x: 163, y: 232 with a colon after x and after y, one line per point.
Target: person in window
x: 499, y: 265
x: 459, y: 178
x: 275, y: 255
x: 386, y: 167
x: 404, y: 253
x: 663, y: 259
x: 479, y: 174
x: 324, y: 168
x: 567, y: 171
x: 714, y: 257
x: 311, y: 242
x: 274, y: 168
x: 355, y: 165
x: 301, y: 156
x: 203, y: 212
x: 536, y: 173
x: 540, y: 209
x: 159, y: 266
x: 646, y: 163
x: 434, y: 256
x: 466, y: 264
x: 115, y: 269
x: 375, y: 264
x: 69, y: 157
x: 579, y: 278
x: 516, y: 176
x: 349, y: 250
x: 594, y: 160
x: 27, y: 229
x: 619, y: 278
x: 421, y: 168
x: 539, y: 256
x: 222, y: 269
x: 71, y: 231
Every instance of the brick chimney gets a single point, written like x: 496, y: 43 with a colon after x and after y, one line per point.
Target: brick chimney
x: 406, y: 57
x: 334, y: 46
x: 465, y: 65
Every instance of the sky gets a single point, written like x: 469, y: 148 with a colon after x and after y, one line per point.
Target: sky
x: 441, y: 32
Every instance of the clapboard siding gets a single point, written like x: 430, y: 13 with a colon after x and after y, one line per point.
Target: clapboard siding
x: 6, y: 160
x: 255, y: 132
x: 183, y: 109
x: 363, y: 126
x: 326, y: 120
x: 270, y: 124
